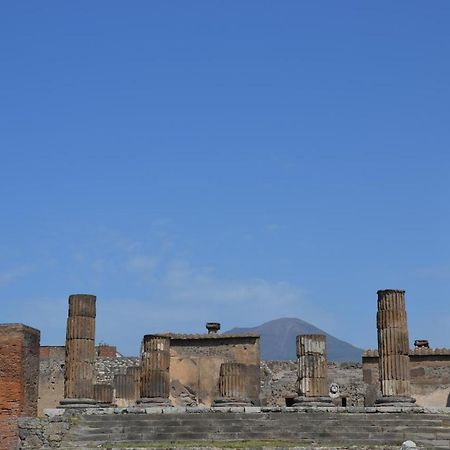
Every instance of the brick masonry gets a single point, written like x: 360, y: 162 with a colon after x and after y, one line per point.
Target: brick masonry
x: 19, y: 373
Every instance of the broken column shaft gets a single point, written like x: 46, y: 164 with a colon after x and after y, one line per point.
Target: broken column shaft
x: 393, y: 347
x: 312, y: 381
x: 233, y: 385
x: 80, y: 352
x: 155, y: 366
x: 103, y: 394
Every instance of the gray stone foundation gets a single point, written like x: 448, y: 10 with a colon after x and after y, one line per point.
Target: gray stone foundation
x: 333, y: 427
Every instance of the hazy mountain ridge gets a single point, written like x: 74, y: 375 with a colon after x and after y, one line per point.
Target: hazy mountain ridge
x: 278, y: 340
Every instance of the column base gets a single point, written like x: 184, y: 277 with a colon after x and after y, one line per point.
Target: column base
x: 312, y: 401
x: 231, y: 402
x: 396, y: 401
x: 78, y: 403
x: 154, y: 402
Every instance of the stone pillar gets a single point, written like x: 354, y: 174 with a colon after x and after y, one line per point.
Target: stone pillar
x: 80, y: 352
x: 134, y: 375
x: 155, y: 365
x: 103, y: 394
x: 312, y: 381
x: 233, y: 385
x: 393, y: 348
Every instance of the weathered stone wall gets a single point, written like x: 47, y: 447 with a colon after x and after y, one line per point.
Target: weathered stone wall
x: 51, y: 375
x: 44, y: 432
x: 107, y: 368
x: 278, y: 380
x: 430, y: 376
x: 19, y: 371
x: 196, y: 360
x: 333, y: 428
x: 51, y: 383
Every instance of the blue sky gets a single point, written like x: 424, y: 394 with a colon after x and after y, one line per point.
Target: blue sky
x: 224, y: 161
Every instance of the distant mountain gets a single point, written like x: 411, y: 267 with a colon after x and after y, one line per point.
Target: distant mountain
x: 278, y: 340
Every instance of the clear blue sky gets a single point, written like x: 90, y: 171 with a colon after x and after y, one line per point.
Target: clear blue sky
x: 225, y: 161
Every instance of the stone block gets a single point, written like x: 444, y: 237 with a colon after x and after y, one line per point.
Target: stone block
x: 252, y: 409
x: 154, y: 410
x: 174, y: 410
x: 53, y: 412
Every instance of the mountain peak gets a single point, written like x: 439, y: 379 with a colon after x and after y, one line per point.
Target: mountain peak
x: 278, y: 340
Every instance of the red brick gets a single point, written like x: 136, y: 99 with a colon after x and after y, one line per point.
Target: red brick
x: 19, y: 375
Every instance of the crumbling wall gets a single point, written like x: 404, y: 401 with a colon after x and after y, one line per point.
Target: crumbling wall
x: 278, y: 382
x: 430, y: 376
x: 51, y: 374
x: 107, y: 368
x: 19, y: 372
x: 195, y: 365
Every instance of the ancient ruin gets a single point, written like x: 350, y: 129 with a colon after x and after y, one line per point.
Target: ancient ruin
x: 312, y: 371
x: 233, y: 385
x: 19, y: 375
x: 155, y: 365
x: 80, y: 352
x: 200, y: 383
x: 393, y: 348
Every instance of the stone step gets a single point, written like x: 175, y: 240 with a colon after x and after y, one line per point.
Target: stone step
x: 339, y: 430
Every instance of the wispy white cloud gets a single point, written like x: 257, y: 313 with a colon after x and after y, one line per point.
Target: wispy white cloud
x: 10, y: 275
x: 442, y: 271
x: 141, y: 263
x: 202, y: 285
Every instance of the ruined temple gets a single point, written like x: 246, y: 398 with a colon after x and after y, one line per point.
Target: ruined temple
x: 213, y: 381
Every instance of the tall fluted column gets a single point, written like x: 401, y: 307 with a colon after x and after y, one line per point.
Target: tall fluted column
x: 312, y: 381
x: 393, y: 347
x: 80, y: 351
x: 155, y: 366
x: 233, y: 385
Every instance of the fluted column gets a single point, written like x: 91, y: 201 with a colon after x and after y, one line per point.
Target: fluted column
x: 103, y: 393
x: 80, y: 351
x: 134, y: 375
x: 393, y: 347
x: 233, y: 385
x: 155, y: 366
x: 312, y: 375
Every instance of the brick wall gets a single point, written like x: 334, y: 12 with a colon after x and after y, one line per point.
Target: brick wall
x: 19, y: 374
x: 106, y: 351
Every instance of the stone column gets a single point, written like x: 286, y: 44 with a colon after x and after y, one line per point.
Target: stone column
x: 80, y: 352
x: 103, y: 394
x: 155, y: 366
x: 312, y: 381
x: 134, y: 375
x: 393, y: 348
x: 233, y: 385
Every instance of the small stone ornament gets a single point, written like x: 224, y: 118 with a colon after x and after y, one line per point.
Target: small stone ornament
x: 335, y: 390
x: 408, y: 445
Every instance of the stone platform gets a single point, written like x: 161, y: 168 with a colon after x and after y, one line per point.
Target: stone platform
x: 241, y: 427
